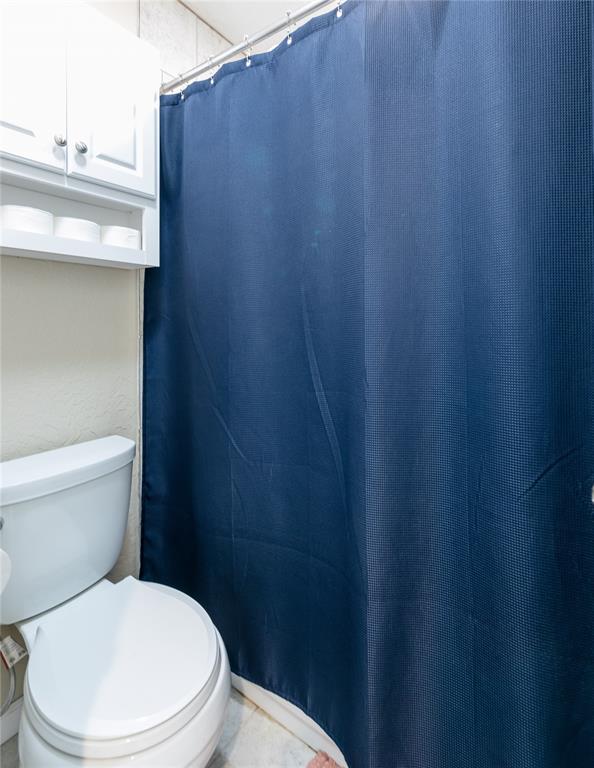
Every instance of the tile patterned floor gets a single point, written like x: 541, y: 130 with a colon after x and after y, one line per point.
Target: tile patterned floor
x: 250, y: 740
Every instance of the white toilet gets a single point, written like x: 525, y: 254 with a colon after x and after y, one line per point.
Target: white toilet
x: 119, y: 674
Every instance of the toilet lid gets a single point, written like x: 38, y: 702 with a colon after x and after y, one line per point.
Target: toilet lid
x: 122, y: 661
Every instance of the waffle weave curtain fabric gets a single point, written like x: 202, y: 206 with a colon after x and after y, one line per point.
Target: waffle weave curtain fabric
x: 368, y: 378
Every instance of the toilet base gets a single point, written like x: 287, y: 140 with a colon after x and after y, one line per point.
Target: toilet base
x: 190, y: 747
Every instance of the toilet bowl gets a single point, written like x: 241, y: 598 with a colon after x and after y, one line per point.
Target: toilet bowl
x: 132, y: 673
x: 126, y: 673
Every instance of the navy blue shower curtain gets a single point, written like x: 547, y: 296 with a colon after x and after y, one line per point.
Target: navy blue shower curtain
x: 369, y: 381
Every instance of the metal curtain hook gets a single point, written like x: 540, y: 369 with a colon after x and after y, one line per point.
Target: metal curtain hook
x: 338, y: 10
x: 212, y: 74
x: 248, y: 58
x: 289, y: 26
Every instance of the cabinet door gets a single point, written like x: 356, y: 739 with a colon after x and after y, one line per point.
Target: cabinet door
x: 33, y: 84
x: 112, y: 94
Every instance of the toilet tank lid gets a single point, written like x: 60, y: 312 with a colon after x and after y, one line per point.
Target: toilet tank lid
x: 43, y: 473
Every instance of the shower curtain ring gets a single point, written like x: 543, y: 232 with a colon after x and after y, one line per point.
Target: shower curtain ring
x: 289, y: 28
x: 338, y: 10
x: 248, y: 57
x: 212, y: 74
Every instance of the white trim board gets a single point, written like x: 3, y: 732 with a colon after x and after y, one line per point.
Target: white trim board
x: 9, y: 722
x: 290, y: 717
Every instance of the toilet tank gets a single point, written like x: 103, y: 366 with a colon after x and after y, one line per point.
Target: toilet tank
x: 63, y: 518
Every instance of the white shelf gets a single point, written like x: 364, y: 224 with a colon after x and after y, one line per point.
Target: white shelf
x: 33, y: 245
x: 22, y: 184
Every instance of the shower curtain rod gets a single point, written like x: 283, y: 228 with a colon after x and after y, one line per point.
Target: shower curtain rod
x: 246, y: 44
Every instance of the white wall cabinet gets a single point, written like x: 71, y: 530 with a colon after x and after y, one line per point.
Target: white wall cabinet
x: 79, y: 127
x: 111, y: 104
x: 33, y: 85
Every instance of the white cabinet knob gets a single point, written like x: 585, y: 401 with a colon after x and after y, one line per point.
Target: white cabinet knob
x: 60, y: 140
x: 81, y: 147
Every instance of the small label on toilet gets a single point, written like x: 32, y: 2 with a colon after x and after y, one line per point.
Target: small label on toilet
x: 11, y: 651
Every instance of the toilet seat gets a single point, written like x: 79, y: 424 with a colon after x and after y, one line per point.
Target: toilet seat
x: 134, y: 662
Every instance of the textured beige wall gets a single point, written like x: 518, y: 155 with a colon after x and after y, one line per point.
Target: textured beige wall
x: 69, y: 361
x: 70, y: 335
